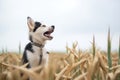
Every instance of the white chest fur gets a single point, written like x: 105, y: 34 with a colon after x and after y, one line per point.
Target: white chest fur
x: 34, y: 58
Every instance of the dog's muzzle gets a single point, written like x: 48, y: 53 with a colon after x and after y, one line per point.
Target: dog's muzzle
x: 48, y: 33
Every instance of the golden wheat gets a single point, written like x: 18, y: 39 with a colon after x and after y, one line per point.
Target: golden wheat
x: 74, y: 65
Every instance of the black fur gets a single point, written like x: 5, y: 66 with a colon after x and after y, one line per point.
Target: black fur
x: 24, y: 58
x: 37, y: 25
x: 48, y: 52
x: 30, y: 38
x: 29, y: 47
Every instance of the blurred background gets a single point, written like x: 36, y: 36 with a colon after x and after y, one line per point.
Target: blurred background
x: 74, y: 20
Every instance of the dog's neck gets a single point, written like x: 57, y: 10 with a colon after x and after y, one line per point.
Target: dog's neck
x: 37, y: 41
x: 38, y: 44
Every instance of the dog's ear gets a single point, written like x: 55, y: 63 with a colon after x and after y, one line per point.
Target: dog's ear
x: 30, y: 23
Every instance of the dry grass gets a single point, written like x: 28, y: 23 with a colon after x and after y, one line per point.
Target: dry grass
x: 74, y: 65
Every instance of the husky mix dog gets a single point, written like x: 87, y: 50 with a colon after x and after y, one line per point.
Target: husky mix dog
x: 35, y: 53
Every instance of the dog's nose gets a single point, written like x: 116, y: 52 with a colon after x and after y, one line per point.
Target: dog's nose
x: 53, y: 26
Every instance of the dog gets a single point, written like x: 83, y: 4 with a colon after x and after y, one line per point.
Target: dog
x: 35, y: 53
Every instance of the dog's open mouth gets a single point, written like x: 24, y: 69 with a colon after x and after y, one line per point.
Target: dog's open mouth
x: 48, y: 34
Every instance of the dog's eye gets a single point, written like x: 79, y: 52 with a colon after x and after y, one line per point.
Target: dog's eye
x: 43, y: 25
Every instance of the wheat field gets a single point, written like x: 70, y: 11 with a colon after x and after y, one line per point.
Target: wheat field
x: 72, y: 65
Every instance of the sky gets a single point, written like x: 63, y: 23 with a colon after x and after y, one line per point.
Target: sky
x: 74, y: 20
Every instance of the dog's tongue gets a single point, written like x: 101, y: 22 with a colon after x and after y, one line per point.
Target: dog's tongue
x: 48, y: 35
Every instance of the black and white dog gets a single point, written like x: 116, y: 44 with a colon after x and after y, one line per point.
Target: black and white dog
x: 35, y: 53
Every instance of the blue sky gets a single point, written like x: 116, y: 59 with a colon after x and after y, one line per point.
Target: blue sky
x: 75, y: 20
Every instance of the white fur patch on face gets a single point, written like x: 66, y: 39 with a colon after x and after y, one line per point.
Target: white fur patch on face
x: 45, y: 32
x: 42, y: 33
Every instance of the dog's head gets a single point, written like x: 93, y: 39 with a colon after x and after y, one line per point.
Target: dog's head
x: 38, y: 31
